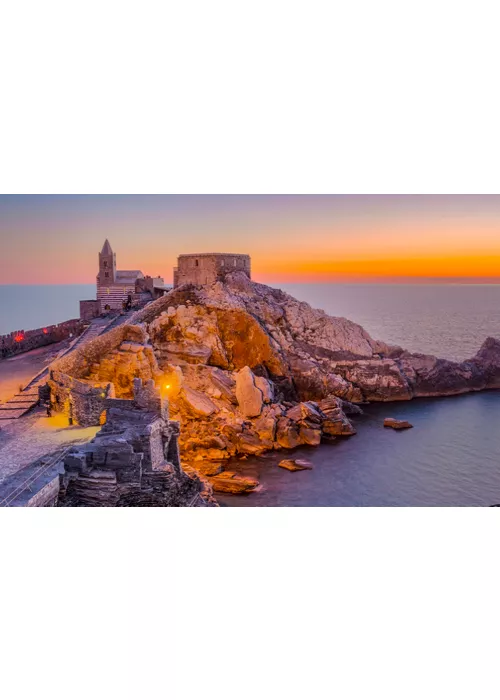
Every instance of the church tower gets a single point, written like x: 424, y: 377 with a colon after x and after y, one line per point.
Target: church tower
x: 107, y: 265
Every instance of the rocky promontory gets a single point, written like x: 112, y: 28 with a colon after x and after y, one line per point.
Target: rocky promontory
x: 248, y: 368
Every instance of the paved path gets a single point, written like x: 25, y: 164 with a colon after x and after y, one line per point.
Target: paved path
x: 27, y: 399
x: 24, y: 486
x: 24, y: 441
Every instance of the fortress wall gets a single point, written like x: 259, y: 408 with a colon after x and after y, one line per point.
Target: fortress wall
x: 22, y: 341
x: 208, y: 268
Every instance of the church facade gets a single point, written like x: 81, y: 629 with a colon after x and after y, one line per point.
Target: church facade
x: 114, y: 287
x: 119, y: 289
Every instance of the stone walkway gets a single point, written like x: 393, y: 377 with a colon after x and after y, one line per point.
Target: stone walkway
x: 29, y: 438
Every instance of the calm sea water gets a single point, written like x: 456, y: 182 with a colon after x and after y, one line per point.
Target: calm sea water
x: 27, y: 307
x: 450, y: 458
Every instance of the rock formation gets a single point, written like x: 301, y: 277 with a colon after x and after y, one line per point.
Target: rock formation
x: 396, y: 424
x: 248, y: 368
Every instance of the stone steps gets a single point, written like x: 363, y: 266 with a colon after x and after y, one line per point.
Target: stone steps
x: 19, y: 405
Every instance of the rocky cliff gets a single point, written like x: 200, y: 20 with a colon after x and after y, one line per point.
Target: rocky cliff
x: 248, y: 368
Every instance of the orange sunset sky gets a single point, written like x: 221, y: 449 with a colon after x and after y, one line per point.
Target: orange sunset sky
x: 55, y: 239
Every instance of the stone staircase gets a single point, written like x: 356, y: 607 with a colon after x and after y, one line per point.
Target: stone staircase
x: 20, y: 404
x: 27, y: 399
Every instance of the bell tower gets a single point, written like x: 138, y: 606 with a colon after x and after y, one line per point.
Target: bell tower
x: 107, y: 265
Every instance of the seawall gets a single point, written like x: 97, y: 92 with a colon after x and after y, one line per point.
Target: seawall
x: 21, y: 341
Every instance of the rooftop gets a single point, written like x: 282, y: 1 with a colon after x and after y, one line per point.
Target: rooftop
x: 205, y: 255
x: 106, y: 249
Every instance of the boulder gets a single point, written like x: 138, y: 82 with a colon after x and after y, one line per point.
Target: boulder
x: 334, y: 427
x: 397, y: 424
x: 266, y: 388
x: 208, y: 468
x: 196, y: 403
x: 230, y: 482
x: 295, y: 465
x: 310, y: 436
x: 287, y: 434
x: 224, y: 383
x: 306, y: 411
x: 249, y: 396
x: 249, y: 443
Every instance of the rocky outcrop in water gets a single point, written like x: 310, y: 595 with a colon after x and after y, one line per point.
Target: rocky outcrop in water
x: 248, y: 368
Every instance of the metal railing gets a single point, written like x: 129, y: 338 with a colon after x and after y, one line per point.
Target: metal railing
x: 27, y: 483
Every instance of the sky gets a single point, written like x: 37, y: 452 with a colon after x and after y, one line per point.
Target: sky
x: 55, y: 239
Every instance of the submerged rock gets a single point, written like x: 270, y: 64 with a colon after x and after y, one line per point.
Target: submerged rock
x: 397, y: 424
x: 230, y: 482
x: 295, y: 465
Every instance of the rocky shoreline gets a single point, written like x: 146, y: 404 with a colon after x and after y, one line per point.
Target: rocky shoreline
x: 248, y: 368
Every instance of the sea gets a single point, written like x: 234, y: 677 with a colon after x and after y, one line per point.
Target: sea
x: 450, y: 458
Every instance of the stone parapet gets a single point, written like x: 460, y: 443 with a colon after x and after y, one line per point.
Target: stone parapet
x: 22, y: 341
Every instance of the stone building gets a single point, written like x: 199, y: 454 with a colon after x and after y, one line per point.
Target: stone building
x: 133, y: 461
x: 119, y: 288
x: 207, y: 268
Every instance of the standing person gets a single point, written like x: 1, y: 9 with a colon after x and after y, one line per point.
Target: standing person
x: 49, y: 409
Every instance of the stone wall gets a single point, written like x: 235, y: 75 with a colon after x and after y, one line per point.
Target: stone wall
x: 208, y: 268
x: 83, y: 403
x: 79, y: 362
x: 89, y: 309
x: 107, y: 366
x: 22, y: 341
x: 133, y: 460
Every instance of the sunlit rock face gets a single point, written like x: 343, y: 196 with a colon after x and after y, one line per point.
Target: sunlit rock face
x: 248, y: 368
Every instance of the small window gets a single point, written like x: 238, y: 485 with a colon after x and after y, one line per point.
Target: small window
x: 106, y: 274
x: 105, y: 264
x: 197, y: 263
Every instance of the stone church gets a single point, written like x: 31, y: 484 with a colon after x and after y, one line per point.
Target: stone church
x: 120, y: 289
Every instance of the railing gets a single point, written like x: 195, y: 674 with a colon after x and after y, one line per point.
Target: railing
x: 27, y: 483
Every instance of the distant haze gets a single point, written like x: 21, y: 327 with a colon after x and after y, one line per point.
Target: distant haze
x: 55, y: 239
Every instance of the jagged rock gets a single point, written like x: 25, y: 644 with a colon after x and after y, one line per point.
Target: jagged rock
x: 249, y: 396
x: 253, y: 363
x: 230, y: 482
x: 336, y: 422
x: 287, y: 434
x: 265, y: 426
x: 397, y: 424
x: 378, y: 380
x: 196, y: 403
x: 306, y: 411
x: 225, y: 384
x: 250, y: 443
x: 266, y: 388
x: 295, y: 465
x: 310, y: 436
x: 208, y: 468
